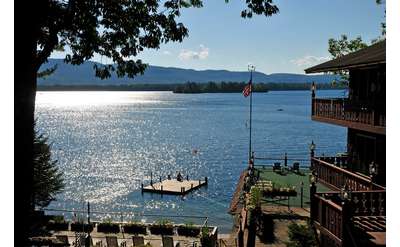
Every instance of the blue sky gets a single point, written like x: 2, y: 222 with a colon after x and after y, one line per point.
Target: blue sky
x: 290, y: 41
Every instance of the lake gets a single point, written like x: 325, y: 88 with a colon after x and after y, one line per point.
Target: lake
x: 108, y: 143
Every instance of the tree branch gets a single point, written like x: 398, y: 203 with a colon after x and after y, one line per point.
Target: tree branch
x: 48, y: 48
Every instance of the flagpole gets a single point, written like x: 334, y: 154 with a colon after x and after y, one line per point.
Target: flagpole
x: 251, y: 68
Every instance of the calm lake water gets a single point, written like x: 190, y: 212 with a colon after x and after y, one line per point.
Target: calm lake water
x: 107, y: 143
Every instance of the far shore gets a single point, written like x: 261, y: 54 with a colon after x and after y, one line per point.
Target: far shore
x: 172, y: 87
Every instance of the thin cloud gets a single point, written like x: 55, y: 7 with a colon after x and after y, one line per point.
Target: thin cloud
x: 308, y: 60
x: 167, y: 53
x: 194, y: 55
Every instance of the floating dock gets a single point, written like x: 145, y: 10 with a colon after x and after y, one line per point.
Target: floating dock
x: 174, y: 187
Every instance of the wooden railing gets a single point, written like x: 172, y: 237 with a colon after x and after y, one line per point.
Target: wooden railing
x: 343, y: 109
x: 330, y: 213
x: 368, y: 203
x: 328, y: 217
x: 329, y: 173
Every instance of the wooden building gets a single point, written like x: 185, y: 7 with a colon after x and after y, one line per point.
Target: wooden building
x: 354, y: 212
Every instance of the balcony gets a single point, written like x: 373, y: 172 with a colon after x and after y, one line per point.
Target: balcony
x: 332, y: 172
x: 342, y: 111
x: 359, y: 218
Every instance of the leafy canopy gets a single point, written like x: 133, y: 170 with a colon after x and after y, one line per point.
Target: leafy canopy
x: 117, y: 29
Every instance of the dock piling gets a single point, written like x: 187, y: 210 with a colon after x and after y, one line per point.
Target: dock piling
x: 206, y: 180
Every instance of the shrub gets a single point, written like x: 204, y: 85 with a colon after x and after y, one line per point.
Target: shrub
x: 301, y: 236
x: 205, y: 238
x: 108, y: 227
x: 162, y: 227
x: 135, y: 228
x: 188, y: 230
x: 57, y: 223
x: 81, y: 227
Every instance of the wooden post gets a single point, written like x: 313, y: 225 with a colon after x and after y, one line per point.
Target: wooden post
x: 285, y: 160
x: 345, y: 222
x: 187, y: 177
x: 313, y: 98
x: 206, y: 180
x: 301, y: 195
x: 160, y: 179
x: 240, y: 233
x: 191, y: 186
x: 199, y: 182
x: 142, y: 188
x: 151, y: 178
x: 313, y: 190
x: 162, y: 188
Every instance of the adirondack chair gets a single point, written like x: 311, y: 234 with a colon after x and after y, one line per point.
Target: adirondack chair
x: 296, y: 167
x: 277, y: 166
x: 112, y: 241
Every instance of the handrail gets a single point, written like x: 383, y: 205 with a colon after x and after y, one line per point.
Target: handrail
x: 329, y: 202
x: 125, y: 213
x: 356, y: 181
x: 344, y: 109
x: 341, y: 169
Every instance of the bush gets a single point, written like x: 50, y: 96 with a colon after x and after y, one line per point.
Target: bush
x: 108, y: 227
x: 81, y: 227
x: 301, y: 236
x: 57, y: 223
x: 135, y: 228
x: 205, y: 238
x: 162, y: 227
x: 188, y: 230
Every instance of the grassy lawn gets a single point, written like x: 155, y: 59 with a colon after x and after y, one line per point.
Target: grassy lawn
x: 289, y: 180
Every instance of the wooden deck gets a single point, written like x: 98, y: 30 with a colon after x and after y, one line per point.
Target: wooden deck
x: 174, y: 187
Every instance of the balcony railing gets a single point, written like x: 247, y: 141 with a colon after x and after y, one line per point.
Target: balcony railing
x: 345, y: 110
x: 328, y: 217
x: 330, y: 213
x: 331, y: 172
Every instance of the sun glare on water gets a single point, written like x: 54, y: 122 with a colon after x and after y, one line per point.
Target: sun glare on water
x: 84, y: 98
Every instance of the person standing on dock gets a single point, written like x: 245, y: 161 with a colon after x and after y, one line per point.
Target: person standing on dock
x: 179, y: 177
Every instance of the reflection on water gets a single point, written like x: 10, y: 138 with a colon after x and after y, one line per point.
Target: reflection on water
x: 107, y: 143
x: 95, y: 98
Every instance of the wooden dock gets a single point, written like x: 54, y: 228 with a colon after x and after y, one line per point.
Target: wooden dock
x: 174, y: 187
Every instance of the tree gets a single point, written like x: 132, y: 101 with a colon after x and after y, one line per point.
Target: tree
x: 117, y: 29
x: 47, y: 179
x: 340, y: 47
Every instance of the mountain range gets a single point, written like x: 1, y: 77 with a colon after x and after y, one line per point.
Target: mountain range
x: 84, y: 74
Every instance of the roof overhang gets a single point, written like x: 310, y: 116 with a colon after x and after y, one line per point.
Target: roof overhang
x: 369, y: 56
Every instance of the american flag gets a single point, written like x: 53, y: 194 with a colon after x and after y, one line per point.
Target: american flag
x: 247, y: 89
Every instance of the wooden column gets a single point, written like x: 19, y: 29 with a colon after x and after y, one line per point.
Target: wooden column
x: 313, y: 202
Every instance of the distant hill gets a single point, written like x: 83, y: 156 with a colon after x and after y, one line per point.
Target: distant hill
x: 67, y: 74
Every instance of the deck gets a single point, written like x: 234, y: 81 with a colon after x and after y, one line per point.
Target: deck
x: 174, y: 187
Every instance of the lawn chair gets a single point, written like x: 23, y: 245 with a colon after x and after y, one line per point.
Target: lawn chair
x: 277, y: 166
x: 112, y: 241
x: 167, y: 241
x: 138, y: 240
x: 64, y: 239
x: 296, y: 167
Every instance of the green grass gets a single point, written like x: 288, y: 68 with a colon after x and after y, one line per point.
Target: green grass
x: 290, y: 179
